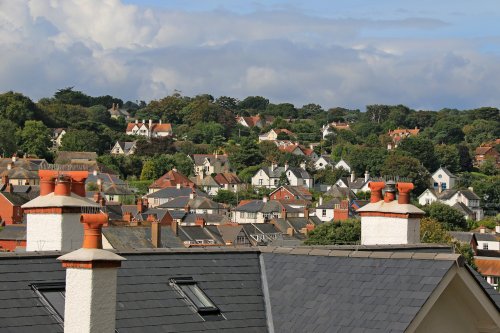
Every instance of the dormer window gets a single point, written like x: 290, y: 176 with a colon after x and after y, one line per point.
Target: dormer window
x: 52, y: 296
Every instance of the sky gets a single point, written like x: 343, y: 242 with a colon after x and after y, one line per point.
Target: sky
x: 425, y: 54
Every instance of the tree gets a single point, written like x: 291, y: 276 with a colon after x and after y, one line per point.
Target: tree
x: 155, y: 146
x: 35, y: 138
x: 228, y: 103
x: 70, y: 96
x: 345, y: 232
x: 16, y: 107
x: 8, y: 144
x: 247, y: 155
x: 433, y: 231
x: 377, y: 113
x: 99, y: 114
x: 408, y: 167
x: 254, y: 102
x: 451, y: 218
x: 420, y: 148
x: 481, y: 131
x: 227, y: 197
x: 80, y: 140
x: 448, y: 157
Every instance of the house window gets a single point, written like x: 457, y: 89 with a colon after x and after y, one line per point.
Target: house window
x: 436, y: 184
x: 196, y: 297
x: 323, y: 213
x: 260, y: 181
x: 52, y: 296
x: 485, y: 246
x: 251, y: 215
x: 304, y: 182
x: 275, y: 182
x: 443, y: 186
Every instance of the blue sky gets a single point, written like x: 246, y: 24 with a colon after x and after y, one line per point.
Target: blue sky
x: 424, y: 54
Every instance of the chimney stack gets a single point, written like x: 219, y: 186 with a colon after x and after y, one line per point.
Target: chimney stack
x: 353, y: 177
x: 156, y: 234
x: 303, y: 165
x: 367, y: 176
x: 150, y: 123
x: 264, y: 199
x: 140, y: 206
x: 5, y: 179
x: 200, y: 221
x: 78, y: 179
x: 91, y: 275
x: 306, y: 213
x: 178, y: 186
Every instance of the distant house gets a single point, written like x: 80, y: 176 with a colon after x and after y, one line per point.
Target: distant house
x: 483, y: 153
x: 322, y: 162
x: 172, y: 178
x: 116, y: 112
x: 465, y: 201
x: 489, y: 268
x: 124, y: 148
x: 57, y: 135
x: 328, y: 128
x: 21, y: 171
x: 442, y: 178
x: 270, y: 176
x: 253, y: 121
x: 487, y: 239
x: 399, y: 134
x: 207, y: 164
x: 272, y: 135
x: 356, y: 184
x: 333, y: 210
x: 149, y: 129
x: 169, y: 193
x: 291, y: 193
x: 76, y: 157
x: 12, y: 197
x: 263, y: 211
x: 194, y: 205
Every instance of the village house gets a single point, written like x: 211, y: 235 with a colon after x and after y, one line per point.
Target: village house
x: 252, y: 121
x: 270, y: 176
x: 328, y: 128
x: 273, y: 134
x: 116, y: 112
x: 399, y: 134
x: 124, y: 148
x: 483, y: 153
x: 290, y: 193
x: 443, y: 179
x: 149, y: 129
x: 355, y: 184
x: 465, y: 201
x: 12, y: 197
x: 265, y: 210
x: 333, y: 210
x: 21, y: 171
x: 207, y: 164
x: 57, y: 135
x: 171, y: 179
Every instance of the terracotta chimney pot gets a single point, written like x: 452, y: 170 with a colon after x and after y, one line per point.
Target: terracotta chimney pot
x: 404, y: 192
x: 376, y: 191
x: 92, y: 225
x: 63, y: 186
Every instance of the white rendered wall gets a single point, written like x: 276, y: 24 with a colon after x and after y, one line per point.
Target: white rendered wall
x: 328, y: 217
x: 53, y: 232
x: 90, y: 305
x: 389, y: 230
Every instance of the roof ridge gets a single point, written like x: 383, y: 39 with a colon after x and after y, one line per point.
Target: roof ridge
x: 314, y: 251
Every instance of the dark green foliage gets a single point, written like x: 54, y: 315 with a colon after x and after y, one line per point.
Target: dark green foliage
x: 422, y: 149
x: 345, y: 232
x: 248, y: 154
x: 408, y: 167
x: 16, y: 108
x: 451, y: 218
x: 80, y: 140
x: 254, y: 103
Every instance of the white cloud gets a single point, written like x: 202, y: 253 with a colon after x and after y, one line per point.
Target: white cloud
x: 107, y: 47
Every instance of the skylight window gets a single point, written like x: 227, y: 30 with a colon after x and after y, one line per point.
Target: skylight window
x: 194, y: 295
x: 52, y: 295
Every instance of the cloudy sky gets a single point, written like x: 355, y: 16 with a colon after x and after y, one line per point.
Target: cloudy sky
x: 424, y: 54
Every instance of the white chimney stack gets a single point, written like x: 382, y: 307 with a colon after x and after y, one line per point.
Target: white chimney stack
x: 264, y: 199
x: 367, y: 176
x: 353, y: 177
x: 389, y: 220
x: 91, y: 279
x: 178, y: 185
x: 150, y: 123
x: 53, y: 219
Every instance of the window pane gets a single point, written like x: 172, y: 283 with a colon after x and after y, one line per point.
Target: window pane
x: 196, y: 296
x: 56, y: 300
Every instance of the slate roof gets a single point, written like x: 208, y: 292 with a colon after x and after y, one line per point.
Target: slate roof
x: 252, y: 206
x: 357, y: 184
x: 145, y: 300
x: 13, y: 232
x: 65, y: 157
x: 199, y: 159
x: 172, y: 192
x: 299, y: 173
x: 129, y: 238
x: 18, y: 199
x: 463, y: 209
x: 469, y: 195
x: 484, y: 237
x: 447, y: 172
x: 310, y: 289
x: 347, y: 294
x: 462, y: 236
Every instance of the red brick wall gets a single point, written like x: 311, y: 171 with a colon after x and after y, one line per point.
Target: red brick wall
x: 9, y: 213
x: 10, y: 245
x: 281, y: 194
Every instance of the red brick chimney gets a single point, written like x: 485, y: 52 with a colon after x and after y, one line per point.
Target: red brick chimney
x: 5, y: 179
x: 140, y: 206
x: 200, y: 221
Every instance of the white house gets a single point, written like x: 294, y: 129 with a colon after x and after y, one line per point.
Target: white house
x: 327, y: 129
x: 487, y: 240
x: 325, y: 211
x: 272, y: 135
x: 124, y: 148
x: 444, y: 179
x: 342, y: 164
x: 149, y: 129
x: 359, y: 184
x: 207, y: 164
x: 270, y: 176
x: 466, y: 201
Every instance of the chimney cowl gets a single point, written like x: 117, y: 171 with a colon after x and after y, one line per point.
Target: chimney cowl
x: 390, y: 191
x: 404, y: 192
x: 376, y: 191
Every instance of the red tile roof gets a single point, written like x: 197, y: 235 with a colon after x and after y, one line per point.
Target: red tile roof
x: 489, y: 267
x: 171, y: 179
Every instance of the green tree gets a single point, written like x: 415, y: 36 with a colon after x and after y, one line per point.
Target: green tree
x: 448, y: 157
x: 433, y: 231
x: 80, y: 140
x: 16, y: 107
x: 70, y: 96
x: 254, y: 103
x: 420, y: 148
x: 227, y: 197
x: 149, y: 170
x: 345, y: 232
x: 247, y: 155
x: 35, y: 138
x: 408, y: 167
x: 481, y: 131
x: 99, y: 114
x: 451, y: 218
x: 8, y: 137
